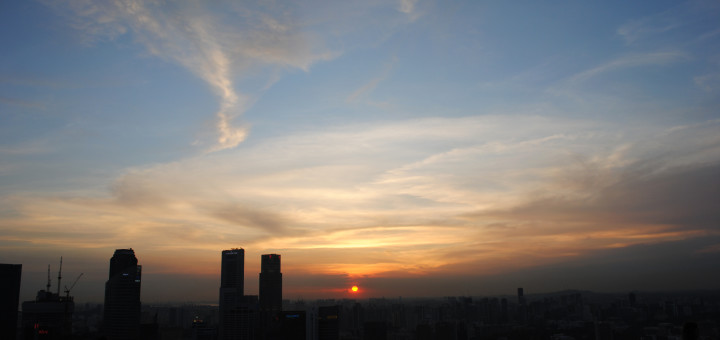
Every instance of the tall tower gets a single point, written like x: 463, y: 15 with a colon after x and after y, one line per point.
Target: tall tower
x: 232, y: 274
x: 270, y: 284
x: 121, y: 318
x: 9, y: 298
x: 232, y: 280
x: 270, y: 296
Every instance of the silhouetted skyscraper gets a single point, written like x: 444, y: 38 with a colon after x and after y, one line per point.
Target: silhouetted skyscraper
x: 121, y: 319
x: 233, y: 307
x: 270, y: 284
x: 10, y: 275
x: 232, y: 273
x: 270, y: 295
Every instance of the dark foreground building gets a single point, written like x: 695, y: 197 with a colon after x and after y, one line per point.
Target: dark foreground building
x: 121, y: 319
x: 236, y: 311
x: 270, y: 284
x: 270, y: 296
x: 9, y: 299
x: 49, y: 316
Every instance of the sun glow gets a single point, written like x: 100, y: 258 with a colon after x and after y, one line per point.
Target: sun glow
x: 354, y: 289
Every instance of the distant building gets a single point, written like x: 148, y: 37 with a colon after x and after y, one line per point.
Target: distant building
x: 376, y: 330
x: 48, y: 317
x: 446, y: 330
x: 201, y: 330
x: 522, y: 308
x: 424, y: 331
x: 521, y: 296
x: 237, y: 312
x: 504, y: 315
x: 292, y: 325
x: 121, y: 318
x: 328, y: 323
x: 10, y: 275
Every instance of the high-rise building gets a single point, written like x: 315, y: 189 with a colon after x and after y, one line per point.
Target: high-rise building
x: 9, y: 299
x: 233, y: 307
x: 121, y: 319
x: 49, y: 316
x: 270, y: 295
x: 270, y: 284
x: 232, y: 274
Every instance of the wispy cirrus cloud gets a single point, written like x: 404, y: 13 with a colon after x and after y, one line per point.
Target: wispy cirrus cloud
x: 708, y: 82
x: 628, y: 61
x: 590, y: 88
x: 373, y: 83
x: 662, y: 28
x: 217, y: 42
x: 649, y: 26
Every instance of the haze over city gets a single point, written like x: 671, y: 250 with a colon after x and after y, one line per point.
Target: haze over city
x: 410, y: 148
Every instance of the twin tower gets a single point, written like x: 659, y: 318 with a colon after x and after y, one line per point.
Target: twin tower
x: 241, y: 315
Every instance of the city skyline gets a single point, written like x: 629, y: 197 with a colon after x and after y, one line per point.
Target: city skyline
x: 408, y: 147
x: 568, y: 314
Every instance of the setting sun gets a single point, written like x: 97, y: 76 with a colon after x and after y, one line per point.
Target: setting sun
x: 354, y: 289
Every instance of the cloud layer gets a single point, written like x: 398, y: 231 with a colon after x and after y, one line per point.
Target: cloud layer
x: 425, y: 196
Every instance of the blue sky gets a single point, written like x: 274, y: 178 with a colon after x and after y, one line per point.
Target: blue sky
x: 397, y: 140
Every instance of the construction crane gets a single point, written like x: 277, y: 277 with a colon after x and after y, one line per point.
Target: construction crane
x: 59, y: 276
x: 67, y: 290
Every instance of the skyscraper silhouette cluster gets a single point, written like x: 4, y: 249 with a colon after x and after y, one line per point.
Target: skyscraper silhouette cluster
x: 241, y: 316
x: 560, y: 315
x: 250, y: 316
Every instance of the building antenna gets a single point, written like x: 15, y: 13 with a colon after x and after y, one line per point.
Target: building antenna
x: 47, y: 288
x: 59, y: 276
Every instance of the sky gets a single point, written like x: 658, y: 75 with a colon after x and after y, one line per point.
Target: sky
x: 412, y: 148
